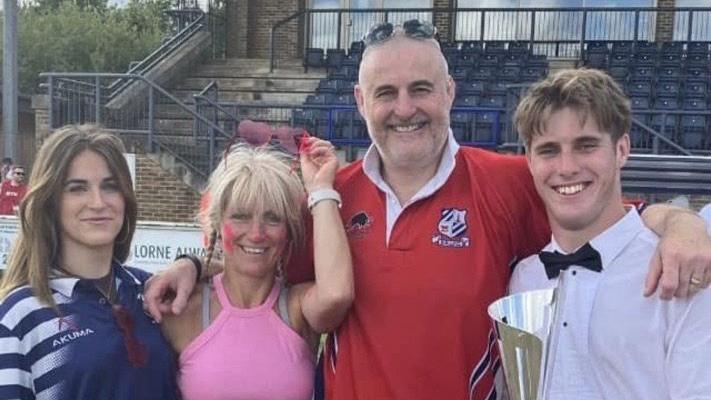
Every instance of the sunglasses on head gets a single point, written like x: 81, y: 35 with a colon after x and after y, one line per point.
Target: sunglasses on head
x: 291, y: 140
x: 413, y: 28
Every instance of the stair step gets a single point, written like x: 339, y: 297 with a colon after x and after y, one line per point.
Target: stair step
x: 226, y: 71
x: 292, y: 98
x: 251, y: 84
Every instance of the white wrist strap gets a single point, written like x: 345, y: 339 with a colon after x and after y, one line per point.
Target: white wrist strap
x: 323, y: 194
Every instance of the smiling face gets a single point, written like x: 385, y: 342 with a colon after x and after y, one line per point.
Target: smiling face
x: 91, y: 206
x: 253, y: 240
x: 405, y: 95
x: 576, y: 170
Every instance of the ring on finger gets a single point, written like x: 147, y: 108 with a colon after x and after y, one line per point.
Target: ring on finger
x: 694, y: 281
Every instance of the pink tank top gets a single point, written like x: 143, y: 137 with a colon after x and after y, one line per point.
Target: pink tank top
x: 247, y: 354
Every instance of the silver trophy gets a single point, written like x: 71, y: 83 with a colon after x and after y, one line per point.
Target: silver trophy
x: 523, y: 323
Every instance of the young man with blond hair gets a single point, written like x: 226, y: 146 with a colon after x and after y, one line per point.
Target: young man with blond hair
x: 609, y: 342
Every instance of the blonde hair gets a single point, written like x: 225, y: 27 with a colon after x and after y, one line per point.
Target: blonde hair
x: 38, y: 244
x: 256, y: 179
x: 589, y: 92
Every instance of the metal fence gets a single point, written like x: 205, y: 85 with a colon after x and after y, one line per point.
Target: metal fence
x: 551, y: 31
x: 154, y: 119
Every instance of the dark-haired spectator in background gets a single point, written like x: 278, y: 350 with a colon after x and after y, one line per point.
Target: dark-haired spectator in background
x: 12, y: 192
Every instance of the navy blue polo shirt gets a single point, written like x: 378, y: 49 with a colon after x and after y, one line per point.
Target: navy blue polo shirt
x: 81, y: 354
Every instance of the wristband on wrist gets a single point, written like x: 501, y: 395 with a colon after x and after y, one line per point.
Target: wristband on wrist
x: 323, y: 194
x: 196, y: 263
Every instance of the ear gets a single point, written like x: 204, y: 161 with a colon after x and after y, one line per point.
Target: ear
x: 358, y: 94
x: 623, y: 147
x: 451, y: 90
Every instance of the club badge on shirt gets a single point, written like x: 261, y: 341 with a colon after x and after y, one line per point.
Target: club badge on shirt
x: 452, y: 229
x: 359, y: 224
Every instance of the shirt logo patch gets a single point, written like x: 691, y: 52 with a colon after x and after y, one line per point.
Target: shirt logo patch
x: 359, y: 224
x: 452, y: 229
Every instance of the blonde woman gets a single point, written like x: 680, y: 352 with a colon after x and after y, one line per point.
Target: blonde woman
x: 247, y: 335
x: 71, y: 319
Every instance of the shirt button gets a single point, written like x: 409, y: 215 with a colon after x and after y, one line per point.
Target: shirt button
x: 575, y: 272
x: 102, y: 301
x: 565, y: 324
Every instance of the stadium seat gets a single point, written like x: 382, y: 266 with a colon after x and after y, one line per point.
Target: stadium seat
x: 483, y: 127
x: 622, y: 47
x: 620, y: 74
x: 699, y: 48
x: 666, y: 124
x: 472, y: 47
x: 314, y: 58
x: 644, y: 59
x: 697, y: 73
x: 693, y: 131
x: 695, y: 89
x: 640, y: 102
x: 597, y: 47
x: 334, y: 58
x: 467, y: 101
x: 643, y: 73
x: 482, y: 73
x: 640, y: 88
x: 509, y: 74
x: 533, y: 74
x: 672, y: 48
x: 697, y: 60
x: 495, y: 47
x: 671, y: 60
x: 691, y: 104
x: 329, y: 86
x: 668, y: 73
x: 497, y: 87
x: 467, y: 59
x: 489, y: 60
x: 460, y: 122
x: 644, y: 47
x: 357, y: 47
x: 621, y: 60
x: 596, y: 60
x: 497, y: 101
x: 459, y: 73
x: 469, y: 88
x: 513, y: 59
x: 537, y: 60
x: 519, y: 47
x: 664, y: 103
x: 667, y: 89
x: 344, y: 100
x: 352, y: 60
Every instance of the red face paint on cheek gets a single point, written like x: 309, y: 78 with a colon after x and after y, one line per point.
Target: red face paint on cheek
x: 228, y: 237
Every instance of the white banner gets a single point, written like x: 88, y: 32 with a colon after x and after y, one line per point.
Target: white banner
x: 155, y: 244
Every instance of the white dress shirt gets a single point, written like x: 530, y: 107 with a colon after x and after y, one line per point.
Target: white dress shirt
x: 613, y: 343
x: 705, y: 213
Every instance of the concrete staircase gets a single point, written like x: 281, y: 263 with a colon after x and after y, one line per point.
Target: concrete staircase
x: 245, y: 82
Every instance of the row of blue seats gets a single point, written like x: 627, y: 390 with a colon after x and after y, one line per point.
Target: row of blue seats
x: 645, y: 47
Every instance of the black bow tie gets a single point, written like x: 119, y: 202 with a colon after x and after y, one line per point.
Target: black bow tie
x: 555, y: 262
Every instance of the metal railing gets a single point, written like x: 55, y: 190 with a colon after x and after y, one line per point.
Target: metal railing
x: 556, y: 32
x: 154, y: 122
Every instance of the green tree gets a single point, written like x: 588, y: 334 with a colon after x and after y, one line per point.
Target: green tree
x: 76, y: 38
